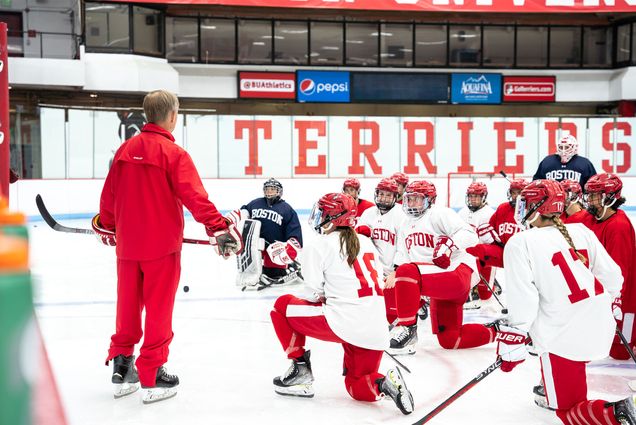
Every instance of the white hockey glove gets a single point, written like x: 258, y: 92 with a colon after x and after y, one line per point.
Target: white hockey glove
x: 444, y: 247
x: 511, y: 347
x: 487, y: 234
x: 617, y: 308
x: 227, y: 241
x: 106, y: 237
x: 284, y: 253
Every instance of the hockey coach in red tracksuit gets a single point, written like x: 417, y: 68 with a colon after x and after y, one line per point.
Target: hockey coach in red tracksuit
x: 141, y: 206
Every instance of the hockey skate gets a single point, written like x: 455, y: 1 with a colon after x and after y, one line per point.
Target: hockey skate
x: 393, y: 385
x: 539, y: 397
x: 625, y: 411
x: 422, y: 313
x: 292, y: 277
x: 403, y: 340
x: 125, y: 376
x: 165, y: 387
x: 298, y: 379
x: 473, y: 302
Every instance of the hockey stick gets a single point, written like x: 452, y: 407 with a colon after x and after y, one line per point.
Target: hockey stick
x: 477, y: 379
x: 397, y: 362
x: 48, y: 218
x: 631, y: 384
x: 505, y: 176
x: 504, y: 310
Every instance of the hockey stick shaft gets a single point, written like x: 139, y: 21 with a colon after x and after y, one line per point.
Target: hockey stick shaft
x: 505, y: 176
x: 626, y: 344
x: 483, y: 279
x: 53, y: 224
x: 477, y: 379
x: 397, y: 362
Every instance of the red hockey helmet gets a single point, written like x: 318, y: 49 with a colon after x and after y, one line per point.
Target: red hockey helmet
x: 515, y: 185
x: 351, y: 182
x: 401, y: 178
x: 540, y: 197
x: 335, y: 209
x: 478, y: 189
x: 418, y: 197
x: 572, y: 189
x: 383, y: 202
x: 606, y: 183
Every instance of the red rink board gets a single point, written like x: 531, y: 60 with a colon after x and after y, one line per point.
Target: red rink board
x: 522, y: 6
x: 529, y: 89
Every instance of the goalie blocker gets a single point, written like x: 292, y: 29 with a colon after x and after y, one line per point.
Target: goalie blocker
x: 251, y: 274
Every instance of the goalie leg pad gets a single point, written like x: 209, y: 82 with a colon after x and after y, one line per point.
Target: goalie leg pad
x: 250, y: 261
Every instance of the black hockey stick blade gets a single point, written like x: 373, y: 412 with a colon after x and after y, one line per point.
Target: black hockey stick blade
x: 399, y: 363
x: 477, y: 379
x: 48, y: 218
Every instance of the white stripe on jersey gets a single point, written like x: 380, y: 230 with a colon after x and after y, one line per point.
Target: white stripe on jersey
x: 304, y: 310
x: 548, y: 381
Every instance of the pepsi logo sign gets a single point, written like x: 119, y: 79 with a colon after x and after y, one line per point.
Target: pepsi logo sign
x: 307, y: 86
x: 322, y: 86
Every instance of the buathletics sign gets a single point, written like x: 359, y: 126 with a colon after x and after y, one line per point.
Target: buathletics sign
x: 522, y: 6
x: 267, y: 85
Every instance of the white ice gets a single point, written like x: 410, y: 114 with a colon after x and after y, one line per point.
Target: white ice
x: 226, y: 353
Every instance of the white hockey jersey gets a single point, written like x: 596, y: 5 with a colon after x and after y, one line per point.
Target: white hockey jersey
x: 477, y: 218
x: 354, y: 306
x: 564, y: 304
x: 384, y: 228
x: 417, y: 238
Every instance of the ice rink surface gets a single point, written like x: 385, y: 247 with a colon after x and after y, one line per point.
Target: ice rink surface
x: 226, y: 353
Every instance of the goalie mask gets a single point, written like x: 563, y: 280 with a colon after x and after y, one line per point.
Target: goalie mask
x: 605, y: 186
x: 385, y: 194
x: 418, y: 197
x: 272, y: 191
x: 476, y: 195
x: 331, y: 211
x: 539, y: 198
x: 567, y: 147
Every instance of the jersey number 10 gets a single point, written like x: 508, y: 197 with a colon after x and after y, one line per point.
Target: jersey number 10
x: 366, y: 290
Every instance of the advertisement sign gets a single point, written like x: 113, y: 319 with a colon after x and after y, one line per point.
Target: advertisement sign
x: 4, y: 113
x: 529, y: 89
x: 322, y: 86
x: 476, y: 88
x: 266, y: 85
x: 399, y: 86
x: 483, y: 6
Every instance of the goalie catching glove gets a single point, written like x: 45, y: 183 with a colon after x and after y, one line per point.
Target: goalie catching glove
x: 227, y: 241
x: 511, y: 346
x: 107, y: 237
x: 284, y: 253
x: 442, y: 252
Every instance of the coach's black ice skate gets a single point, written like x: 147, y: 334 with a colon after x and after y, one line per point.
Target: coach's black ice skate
x: 125, y: 376
x: 393, y: 385
x: 625, y: 411
x: 403, y: 340
x: 298, y: 379
x: 165, y: 387
x: 539, y: 397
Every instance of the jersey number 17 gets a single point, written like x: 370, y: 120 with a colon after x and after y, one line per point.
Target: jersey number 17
x: 366, y: 290
x: 576, y: 292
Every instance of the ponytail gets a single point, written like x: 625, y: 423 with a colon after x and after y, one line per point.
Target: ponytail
x: 564, y: 231
x: 349, y: 244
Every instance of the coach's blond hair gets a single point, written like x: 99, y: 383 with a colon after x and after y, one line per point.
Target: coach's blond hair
x: 158, y: 105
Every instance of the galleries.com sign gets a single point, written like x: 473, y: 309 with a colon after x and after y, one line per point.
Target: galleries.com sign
x: 529, y: 89
x: 323, y: 86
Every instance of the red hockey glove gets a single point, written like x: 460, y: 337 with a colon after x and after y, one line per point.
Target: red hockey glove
x: 511, y: 347
x: 283, y: 253
x: 487, y: 234
x: 488, y: 254
x: 364, y: 231
x: 107, y: 237
x: 617, y: 308
x: 442, y: 252
x: 227, y: 241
